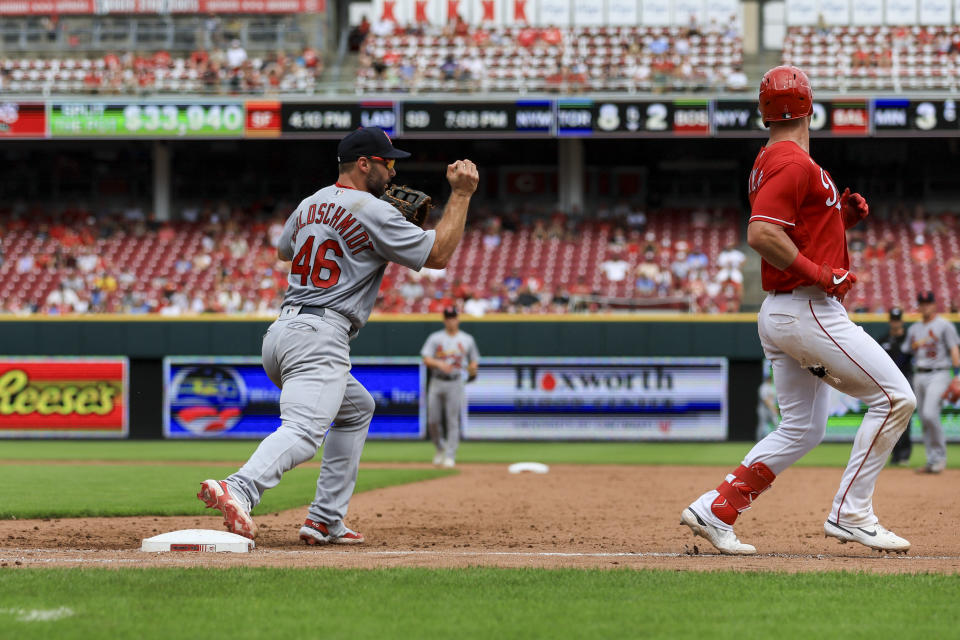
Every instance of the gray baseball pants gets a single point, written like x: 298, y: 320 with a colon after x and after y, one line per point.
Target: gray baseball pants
x: 308, y: 357
x: 444, y: 405
x: 929, y: 389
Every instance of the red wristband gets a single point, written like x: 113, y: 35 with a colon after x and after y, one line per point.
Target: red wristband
x: 804, y: 268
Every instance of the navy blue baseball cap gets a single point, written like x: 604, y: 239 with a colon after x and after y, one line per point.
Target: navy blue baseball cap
x: 925, y: 297
x: 366, y: 142
x: 450, y: 312
x: 896, y: 313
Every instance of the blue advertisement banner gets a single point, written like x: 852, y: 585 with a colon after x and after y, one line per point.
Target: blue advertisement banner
x: 211, y: 398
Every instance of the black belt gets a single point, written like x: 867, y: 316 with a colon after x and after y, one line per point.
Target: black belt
x: 322, y: 311
x: 444, y: 376
x: 919, y: 370
x: 314, y: 311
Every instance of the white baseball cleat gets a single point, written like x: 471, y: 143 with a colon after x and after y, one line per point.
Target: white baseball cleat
x: 875, y: 536
x: 438, y: 458
x: 723, y: 539
x: 448, y: 463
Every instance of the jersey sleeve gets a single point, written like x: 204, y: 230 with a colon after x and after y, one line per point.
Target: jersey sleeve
x: 950, y: 337
x: 430, y: 346
x: 907, y: 340
x: 403, y: 242
x: 780, y: 194
x: 473, y: 354
x: 285, y: 244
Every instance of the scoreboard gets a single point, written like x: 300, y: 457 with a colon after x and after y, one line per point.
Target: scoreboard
x: 553, y: 117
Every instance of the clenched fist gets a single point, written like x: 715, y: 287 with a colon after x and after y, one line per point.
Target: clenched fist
x: 853, y: 207
x: 463, y: 177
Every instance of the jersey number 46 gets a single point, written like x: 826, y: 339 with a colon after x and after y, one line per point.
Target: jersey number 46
x: 322, y: 261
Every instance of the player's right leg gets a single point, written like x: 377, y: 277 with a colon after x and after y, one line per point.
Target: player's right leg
x: 435, y: 398
x: 311, y: 359
x: 338, y: 471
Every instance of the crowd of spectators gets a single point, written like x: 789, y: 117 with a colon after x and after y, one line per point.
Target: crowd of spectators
x: 217, y: 259
x: 675, y: 59
x: 222, y: 259
x: 639, y: 270
x: 223, y: 70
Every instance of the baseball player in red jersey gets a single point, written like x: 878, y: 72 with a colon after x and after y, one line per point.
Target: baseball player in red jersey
x: 797, y: 225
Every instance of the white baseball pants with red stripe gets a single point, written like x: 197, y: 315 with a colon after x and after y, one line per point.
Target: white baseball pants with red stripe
x: 806, y: 330
x: 812, y: 343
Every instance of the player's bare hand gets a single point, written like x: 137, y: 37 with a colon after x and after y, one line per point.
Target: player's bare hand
x: 463, y: 177
x: 854, y: 208
x: 836, y: 282
x: 446, y: 367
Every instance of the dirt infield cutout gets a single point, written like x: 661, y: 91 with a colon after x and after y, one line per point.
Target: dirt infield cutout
x: 575, y: 516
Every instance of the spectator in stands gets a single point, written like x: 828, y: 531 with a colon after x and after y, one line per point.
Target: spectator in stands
x: 659, y: 45
x: 921, y: 252
x: 736, y: 80
x: 449, y: 68
x: 213, y: 35
x: 358, y: 34
x: 473, y: 72
x: 615, y: 268
x: 823, y: 29
x: 236, y: 55
x: 730, y: 261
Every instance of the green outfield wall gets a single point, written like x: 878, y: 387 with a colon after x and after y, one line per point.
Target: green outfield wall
x: 733, y: 336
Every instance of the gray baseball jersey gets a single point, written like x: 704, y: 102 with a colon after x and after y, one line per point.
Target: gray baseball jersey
x: 933, y: 341
x: 459, y: 350
x: 340, y: 240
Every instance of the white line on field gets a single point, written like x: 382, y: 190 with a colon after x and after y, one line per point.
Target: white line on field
x: 448, y: 554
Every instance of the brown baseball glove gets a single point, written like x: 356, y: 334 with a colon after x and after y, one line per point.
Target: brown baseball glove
x: 414, y: 205
x: 952, y: 394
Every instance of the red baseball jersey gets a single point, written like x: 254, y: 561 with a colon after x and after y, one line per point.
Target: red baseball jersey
x: 789, y: 189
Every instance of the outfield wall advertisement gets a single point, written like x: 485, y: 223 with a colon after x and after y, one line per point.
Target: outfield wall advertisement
x: 598, y: 399
x: 64, y: 397
x: 847, y: 413
x: 233, y: 397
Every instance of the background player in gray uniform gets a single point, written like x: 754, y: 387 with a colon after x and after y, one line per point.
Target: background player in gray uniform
x: 339, y: 241
x: 933, y: 342
x: 448, y: 353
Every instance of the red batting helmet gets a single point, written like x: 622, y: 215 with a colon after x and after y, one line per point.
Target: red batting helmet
x: 785, y: 94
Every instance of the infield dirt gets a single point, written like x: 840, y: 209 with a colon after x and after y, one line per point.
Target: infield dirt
x: 575, y: 516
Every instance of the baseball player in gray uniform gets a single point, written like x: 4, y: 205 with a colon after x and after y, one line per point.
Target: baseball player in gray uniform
x: 448, y: 353
x: 339, y: 241
x: 933, y: 342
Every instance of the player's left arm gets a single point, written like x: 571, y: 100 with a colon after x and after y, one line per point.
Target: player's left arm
x: 473, y: 360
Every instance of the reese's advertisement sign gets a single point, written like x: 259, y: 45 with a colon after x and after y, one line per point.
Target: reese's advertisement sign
x: 63, y: 397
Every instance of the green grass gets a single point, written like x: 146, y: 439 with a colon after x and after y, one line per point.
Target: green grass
x: 42, y: 491
x: 474, y: 603
x: 693, y: 453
